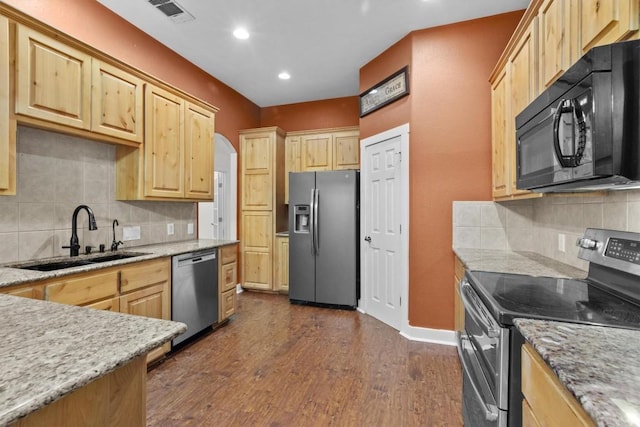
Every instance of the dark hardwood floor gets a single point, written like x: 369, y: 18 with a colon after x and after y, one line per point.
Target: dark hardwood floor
x: 277, y: 364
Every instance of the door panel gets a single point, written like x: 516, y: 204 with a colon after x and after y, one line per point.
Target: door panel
x: 382, y: 224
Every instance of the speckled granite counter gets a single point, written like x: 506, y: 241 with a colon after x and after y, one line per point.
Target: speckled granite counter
x: 50, y: 349
x: 503, y: 261
x: 14, y: 276
x: 598, y: 365
x: 282, y: 234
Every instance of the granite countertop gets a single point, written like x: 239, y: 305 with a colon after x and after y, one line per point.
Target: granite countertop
x: 505, y: 261
x: 598, y: 365
x: 282, y: 234
x: 50, y: 350
x: 14, y: 276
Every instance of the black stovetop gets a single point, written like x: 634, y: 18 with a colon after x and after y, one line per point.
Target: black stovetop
x: 509, y: 296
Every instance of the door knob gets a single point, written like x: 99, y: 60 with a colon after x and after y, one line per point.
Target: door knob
x: 367, y: 239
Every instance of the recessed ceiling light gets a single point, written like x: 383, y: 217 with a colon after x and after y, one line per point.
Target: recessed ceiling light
x: 284, y: 75
x: 241, y: 33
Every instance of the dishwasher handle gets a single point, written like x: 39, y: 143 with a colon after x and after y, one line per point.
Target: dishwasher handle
x: 195, y: 258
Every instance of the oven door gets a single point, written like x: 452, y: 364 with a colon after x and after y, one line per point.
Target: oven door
x: 479, y: 407
x: 490, y: 341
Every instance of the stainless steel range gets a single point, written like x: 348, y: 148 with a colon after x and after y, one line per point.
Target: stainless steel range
x: 489, y: 347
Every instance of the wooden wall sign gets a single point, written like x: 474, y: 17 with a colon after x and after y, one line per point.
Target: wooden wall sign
x: 387, y: 91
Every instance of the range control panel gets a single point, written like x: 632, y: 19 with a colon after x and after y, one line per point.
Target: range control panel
x: 623, y: 249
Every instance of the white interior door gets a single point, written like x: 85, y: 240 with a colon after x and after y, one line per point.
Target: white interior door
x: 383, y: 257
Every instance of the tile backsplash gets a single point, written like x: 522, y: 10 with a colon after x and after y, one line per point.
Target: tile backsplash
x: 539, y: 225
x: 56, y: 173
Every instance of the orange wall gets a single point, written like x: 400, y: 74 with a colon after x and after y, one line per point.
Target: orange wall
x: 450, y: 143
x: 95, y: 25
x: 327, y: 113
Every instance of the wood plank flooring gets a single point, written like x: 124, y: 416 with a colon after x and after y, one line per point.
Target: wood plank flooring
x: 277, y: 364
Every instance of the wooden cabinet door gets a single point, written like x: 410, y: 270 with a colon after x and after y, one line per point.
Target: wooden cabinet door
x: 291, y: 161
x: 554, y: 19
x: 25, y: 291
x: 164, y: 144
x: 53, y: 80
x: 227, y: 281
x: 550, y: 403
x: 228, y: 303
x: 256, y: 241
x: 458, y: 307
x: 117, y: 102
x: 346, y: 150
x: 257, y: 171
x: 606, y: 21
x: 499, y: 117
x: 316, y: 152
x: 522, y: 90
x: 198, y: 144
x: 7, y: 132
x: 110, y: 304
x: 83, y: 288
x: 228, y: 277
x: 282, y: 264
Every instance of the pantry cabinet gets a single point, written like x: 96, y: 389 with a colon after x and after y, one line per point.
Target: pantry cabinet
x: 7, y: 125
x: 262, y: 178
x: 227, y: 281
x: 53, y: 80
x: 546, y: 401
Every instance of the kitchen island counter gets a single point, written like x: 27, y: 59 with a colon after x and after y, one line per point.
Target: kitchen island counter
x: 596, y: 364
x: 11, y: 274
x: 51, y: 350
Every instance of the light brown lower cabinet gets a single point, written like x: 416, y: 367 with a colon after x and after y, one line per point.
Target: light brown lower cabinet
x: 547, y: 402
x: 282, y: 264
x: 227, y: 281
x: 141, y: 288
x: 457, y: 301
x: 116, y: 399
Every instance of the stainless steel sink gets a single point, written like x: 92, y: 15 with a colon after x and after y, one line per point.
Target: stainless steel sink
x: 51, y: 265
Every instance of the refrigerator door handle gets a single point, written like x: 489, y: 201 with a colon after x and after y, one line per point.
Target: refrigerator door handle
x: 312, y: 221
x: 316, y: 236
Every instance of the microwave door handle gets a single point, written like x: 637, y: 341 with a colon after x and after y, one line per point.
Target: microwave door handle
x: 569, y: 106
x: 470, y: 308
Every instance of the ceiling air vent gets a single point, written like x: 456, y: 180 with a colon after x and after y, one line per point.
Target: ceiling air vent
x: 172, y: 10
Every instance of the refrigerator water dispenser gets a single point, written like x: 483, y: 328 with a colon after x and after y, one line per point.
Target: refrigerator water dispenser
x: 302, y: 213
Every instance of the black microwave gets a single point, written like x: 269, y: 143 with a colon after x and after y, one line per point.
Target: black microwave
x: 583, y: 132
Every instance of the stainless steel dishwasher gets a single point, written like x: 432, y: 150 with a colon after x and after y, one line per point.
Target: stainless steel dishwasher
x: 194, y: 291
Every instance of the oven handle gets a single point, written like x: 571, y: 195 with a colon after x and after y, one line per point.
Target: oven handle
x: 490, y: 411
x: 470, y: 308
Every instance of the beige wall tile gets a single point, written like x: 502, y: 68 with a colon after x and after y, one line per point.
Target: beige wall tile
x: 9, y: 247
x: 493, y: 238
x: 8, y: 217
x: 36, y: 216
x: 467, y: 214
x: 467, y: 237
x: 35, y: 244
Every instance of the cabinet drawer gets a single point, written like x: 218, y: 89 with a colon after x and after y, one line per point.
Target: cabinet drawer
x: 111, y: 304
x: 145, y: 274
x: 25, y: 291
x: 228, y: 254
x: 549, y: 401
x: 228, y: 277
x: 228, y: 304
x: 84, y: 289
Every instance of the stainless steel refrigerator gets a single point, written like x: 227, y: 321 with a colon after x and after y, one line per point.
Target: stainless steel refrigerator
x: 324, y: 229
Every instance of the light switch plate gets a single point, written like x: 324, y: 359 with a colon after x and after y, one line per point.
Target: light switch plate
x: 190, y: 228
x: 131, y: 233
x: 170, y: 229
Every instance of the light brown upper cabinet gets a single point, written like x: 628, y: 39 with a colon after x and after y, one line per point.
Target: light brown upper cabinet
x: 198, y: 152
x: 258, y: 168
x: 317, y: 152
x: 164, y: 144
x: 321, y: 150
x: 554, y: 20
x: 346, y: 150
x: 53, y: 80
x: 176, y: 159
x: 499, y: 135
x: 606, y: 21
x: 7, y: 125
x: 117, y: 102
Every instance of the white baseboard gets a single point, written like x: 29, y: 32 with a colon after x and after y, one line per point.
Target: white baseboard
x: 434, y: 336
x: 239, y: 289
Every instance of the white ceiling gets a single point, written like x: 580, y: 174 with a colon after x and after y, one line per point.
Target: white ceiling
x: 321, y: 43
